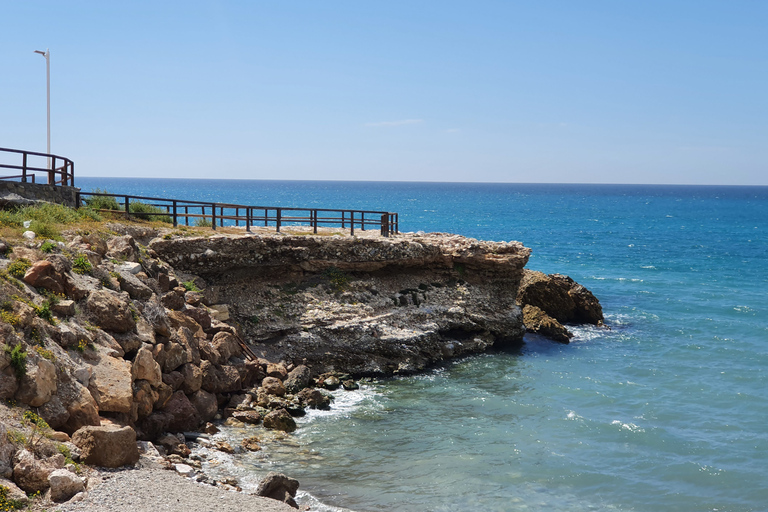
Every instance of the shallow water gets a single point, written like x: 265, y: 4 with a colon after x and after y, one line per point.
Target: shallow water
x: 666, y: 411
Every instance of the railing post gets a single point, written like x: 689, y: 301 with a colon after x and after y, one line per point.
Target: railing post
x: 248, y: 219
x: 278, y: 218
x: 385, y: 224
x: 352, y: 223
x: 71, y: 173
x: 213, y: 216
x: 127, y: 207
x: 314, y: 223
x: 52, y: 172
x: 175, y: 220
x: 342, y: 220
x: 24, y: 167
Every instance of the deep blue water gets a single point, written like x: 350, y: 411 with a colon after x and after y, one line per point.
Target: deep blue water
x: 665, y: 412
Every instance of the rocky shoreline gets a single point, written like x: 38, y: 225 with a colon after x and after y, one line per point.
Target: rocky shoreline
x: 140, y: 333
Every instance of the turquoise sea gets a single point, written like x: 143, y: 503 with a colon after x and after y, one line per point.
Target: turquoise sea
x: 667, y: 411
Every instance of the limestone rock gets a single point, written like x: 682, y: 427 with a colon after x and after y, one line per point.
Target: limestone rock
x: 279, y: 487
x: 107, y: 310
x: 6, y: 453
x: 205, y: 403
x: 110, y: 384
x: 193, y: 378
x: 536, y: 320
x: 220, y: 379
x: 560, y: 297
x: 251, y: 444
x: 107, y: 446
x: 30, y: 473
x: 43, y: 274
x: 273, y: 386
x: 184, y: 415
x: 250, y: 417
x: 123, y: 248
x: 135, y: 288
x: 39, y: 383
x: 314, y: 398
x: 81, y: 407
x: 145, y: 367
x: 280, y: 419
x: 157, y: 318
x: 298, y: 379
x: 277, y: 370
x: 64, y: 485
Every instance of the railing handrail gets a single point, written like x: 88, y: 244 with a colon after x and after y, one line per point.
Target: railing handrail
x: 66, y: 170
x: 387, y: 221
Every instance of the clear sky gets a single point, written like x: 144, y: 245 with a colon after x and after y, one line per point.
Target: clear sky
x: 591, y: 91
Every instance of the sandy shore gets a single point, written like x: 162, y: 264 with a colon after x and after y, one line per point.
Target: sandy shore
x: 148, y: 488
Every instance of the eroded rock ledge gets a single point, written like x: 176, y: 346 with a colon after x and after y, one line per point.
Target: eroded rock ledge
x: 366, y: 306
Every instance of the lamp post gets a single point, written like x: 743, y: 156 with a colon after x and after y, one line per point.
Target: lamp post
x: 47, y: 55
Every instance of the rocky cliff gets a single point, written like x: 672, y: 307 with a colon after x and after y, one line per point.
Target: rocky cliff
x: 366, y: 306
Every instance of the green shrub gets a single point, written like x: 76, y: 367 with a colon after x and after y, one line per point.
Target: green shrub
x: 48, y: 246
x: 102, y: 202
x: 19, y: 267
x: 190, y: 286
x: 18, y: 360
x: 81, y: 264
x: 203, y: 222
x: 33, y: 419
x: 336, y: 278
x: 150, y: 212
x: 10, y: 318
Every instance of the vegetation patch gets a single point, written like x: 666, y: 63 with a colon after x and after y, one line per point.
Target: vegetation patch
x: 18, y: 360
x: 19, y: 267
x: 6, y: 502
x: 81, y: 264
x: 48, y: 246
x: 190, y: 286
x: 336, y: 278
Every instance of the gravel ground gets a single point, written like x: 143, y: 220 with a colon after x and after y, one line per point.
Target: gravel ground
x: 147, y: 488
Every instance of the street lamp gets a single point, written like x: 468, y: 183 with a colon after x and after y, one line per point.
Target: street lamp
x: 47, y: 55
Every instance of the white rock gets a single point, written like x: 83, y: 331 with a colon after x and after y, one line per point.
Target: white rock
x: 64, y: 485
x: 185, y: 470
x: 29, y: 235
x: 130, y: 267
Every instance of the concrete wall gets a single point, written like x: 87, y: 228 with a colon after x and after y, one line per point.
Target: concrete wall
x: 37, y: 192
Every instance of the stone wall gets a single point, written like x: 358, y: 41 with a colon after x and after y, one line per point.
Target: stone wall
x: 38, y: 192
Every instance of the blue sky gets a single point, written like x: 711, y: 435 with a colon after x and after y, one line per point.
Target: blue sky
x: 514, y: 91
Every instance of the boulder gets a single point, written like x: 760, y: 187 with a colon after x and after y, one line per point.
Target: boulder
x: 173, y: 445
x: 251, y: 444
x: 109, y: 311
x: 250, y: 417
x: 144, y: 398
x: 184, y: 415
x: 273, y: 386
x: 560, y: 297
x: 205, y: 403
x: 298, y: 379
x: 172, y: 300
x: 175, y: 356
x: 31, y: 474
x: 199, y: 315
x: 43, y: 274
x: 279, y: 487
x: 146, y: 368
x: 64, y: 484
x: 220, y: 379
x: 110, y: 384
x: 7, y: 449
x: 314, y: 398
x: 193, y: 378
x: 82, y: 409
x: 152, y: 426
x: 280, y: 419
x: 123, y: 248
x: 277, y: 370
x: 38, y: 384
x: 222, y: 347
x: 135, y: 288
x: 537, y: 321
x: 107, y: 446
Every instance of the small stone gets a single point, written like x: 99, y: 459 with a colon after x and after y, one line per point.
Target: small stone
x: 251, y: 444
x: 185, y: 470
x: 280, y: 420
x: 350, y: 385
x: 223, y: 446
x: 29, y: 235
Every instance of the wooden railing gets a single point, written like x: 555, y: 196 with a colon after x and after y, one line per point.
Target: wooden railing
x: 63, y: 175
x: 221, y: 214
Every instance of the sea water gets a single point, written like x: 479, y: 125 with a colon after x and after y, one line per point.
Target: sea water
x: 666, y: 411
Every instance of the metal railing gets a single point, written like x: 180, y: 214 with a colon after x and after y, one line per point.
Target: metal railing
x: 62, y: 175
x: 210, y: 214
